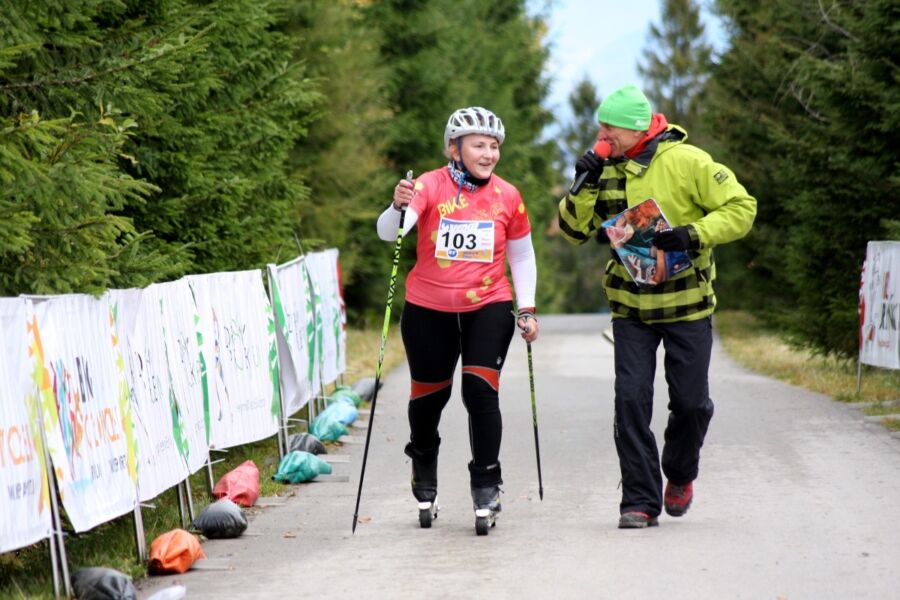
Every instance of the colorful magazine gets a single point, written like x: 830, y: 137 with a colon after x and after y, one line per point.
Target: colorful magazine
x: 631, y: 233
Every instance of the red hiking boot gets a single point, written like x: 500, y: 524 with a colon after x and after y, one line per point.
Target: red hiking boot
x: 637, y: 520
x: 678, y: 498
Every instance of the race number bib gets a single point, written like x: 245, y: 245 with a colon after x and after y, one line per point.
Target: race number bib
x: 465, y: 240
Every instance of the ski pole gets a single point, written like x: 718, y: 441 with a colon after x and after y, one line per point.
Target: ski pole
x: 384, y: 331
x: 537, y: 446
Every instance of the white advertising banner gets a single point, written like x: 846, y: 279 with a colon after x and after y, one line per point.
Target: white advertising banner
x: 238, y: 346
x: 879, y: 306
x: 288, y: 285
x: 323, y: 268
x: 162, y: 370
x: 158, y: 467
x: 90, y: 438
x: 316, y: 341
x: 25, y: 514
x: 187, y: 370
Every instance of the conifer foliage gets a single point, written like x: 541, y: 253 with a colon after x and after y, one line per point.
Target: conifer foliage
x: 143, y: 140
x: 677, y: 62
x: 578, y: 284
x: 343, y: 160
x: 447, y: 54
x: 807, y: 101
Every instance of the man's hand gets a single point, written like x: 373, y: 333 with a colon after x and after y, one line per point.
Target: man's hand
x: 592, y: 164
x: 673, y: 240
x: 602, y: 237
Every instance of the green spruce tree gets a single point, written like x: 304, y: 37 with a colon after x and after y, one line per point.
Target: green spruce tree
x: 185, y: 111
x: 807, y: 93
x: 677, y: 62
x: 578, y: 270
x: 343, y: 157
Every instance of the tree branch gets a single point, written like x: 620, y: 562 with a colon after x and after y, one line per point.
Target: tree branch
x: 797, y: 92
x: 99, y: 74
x: 831, y: 24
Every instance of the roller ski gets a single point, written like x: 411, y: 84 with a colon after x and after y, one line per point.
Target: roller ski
x: 486, y: 502
x: 428, y: 512
x: 424, y: 484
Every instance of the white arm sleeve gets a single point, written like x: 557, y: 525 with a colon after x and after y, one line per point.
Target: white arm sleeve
x: 523, y: 266
x: 389, y: 223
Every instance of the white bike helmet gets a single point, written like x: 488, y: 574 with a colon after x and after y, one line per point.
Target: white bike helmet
x: 473, y: 120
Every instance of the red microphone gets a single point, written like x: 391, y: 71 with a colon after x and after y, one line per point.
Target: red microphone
x: 601, y: 150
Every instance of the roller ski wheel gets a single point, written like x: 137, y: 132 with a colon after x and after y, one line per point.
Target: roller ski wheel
x: 486, y: 502
x: 485, y: 518
x: 428, y: 512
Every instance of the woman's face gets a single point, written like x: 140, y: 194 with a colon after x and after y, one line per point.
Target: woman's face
x: 480, y: 154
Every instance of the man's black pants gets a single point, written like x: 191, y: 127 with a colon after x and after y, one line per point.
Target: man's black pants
x: 687, y: 346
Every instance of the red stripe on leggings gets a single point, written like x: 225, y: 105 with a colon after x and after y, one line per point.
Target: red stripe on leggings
x: 419, y: 389
x: 491, y: 376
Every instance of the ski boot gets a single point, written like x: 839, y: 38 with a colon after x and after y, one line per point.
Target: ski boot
x: 486, y: 501
x: 485, y: 485
x: 424, y: 483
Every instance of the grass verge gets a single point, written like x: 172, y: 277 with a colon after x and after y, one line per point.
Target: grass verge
x: 765, y: 352
x: 26, y: 573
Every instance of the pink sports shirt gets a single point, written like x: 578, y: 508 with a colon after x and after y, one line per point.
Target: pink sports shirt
x: 469, y: 237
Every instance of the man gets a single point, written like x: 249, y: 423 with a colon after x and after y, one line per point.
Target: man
x: 706, y: 206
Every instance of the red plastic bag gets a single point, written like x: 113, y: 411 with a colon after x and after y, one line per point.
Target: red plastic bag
x: 240, y: 485
x: 174, y: 552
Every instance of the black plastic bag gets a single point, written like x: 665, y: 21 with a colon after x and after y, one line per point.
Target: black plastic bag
x: 221, y: 519
x: 306, y: 442
x: 365, y: 388
x: 102, y: 583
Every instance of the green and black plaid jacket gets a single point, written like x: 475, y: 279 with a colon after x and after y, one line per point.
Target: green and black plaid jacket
x: 692, y: 190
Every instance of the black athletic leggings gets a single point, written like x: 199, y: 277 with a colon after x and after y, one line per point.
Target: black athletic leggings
x: 434, y: 341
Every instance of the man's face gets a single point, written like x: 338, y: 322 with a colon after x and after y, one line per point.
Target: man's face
x: 622, y: 140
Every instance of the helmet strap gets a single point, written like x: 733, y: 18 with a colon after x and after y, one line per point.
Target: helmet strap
x: 461, y: 166
x: 459, y: 163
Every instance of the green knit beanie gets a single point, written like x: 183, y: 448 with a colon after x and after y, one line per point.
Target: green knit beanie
x: 627, y: 107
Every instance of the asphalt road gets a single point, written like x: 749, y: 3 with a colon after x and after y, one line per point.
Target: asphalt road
x: 798, y: 498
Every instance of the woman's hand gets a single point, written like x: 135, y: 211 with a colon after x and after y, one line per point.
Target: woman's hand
x: 527, y: 322
x: 403, y: 193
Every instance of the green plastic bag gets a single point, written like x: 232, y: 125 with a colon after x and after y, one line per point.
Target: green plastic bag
x: 327, y: 426
x: 343, y: 392
x: 299, y: 466
x: 343, y: 410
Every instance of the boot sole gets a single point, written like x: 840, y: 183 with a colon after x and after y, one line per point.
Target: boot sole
x: 653, y: 522
x: 677, y: 511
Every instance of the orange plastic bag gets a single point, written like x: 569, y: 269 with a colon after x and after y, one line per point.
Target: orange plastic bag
x: 174, y: 552
x: 240, y: 485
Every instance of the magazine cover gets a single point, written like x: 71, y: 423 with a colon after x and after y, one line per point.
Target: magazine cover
x: 631, y: 235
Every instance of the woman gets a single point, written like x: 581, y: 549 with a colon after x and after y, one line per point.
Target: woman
x: 459, y: 302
